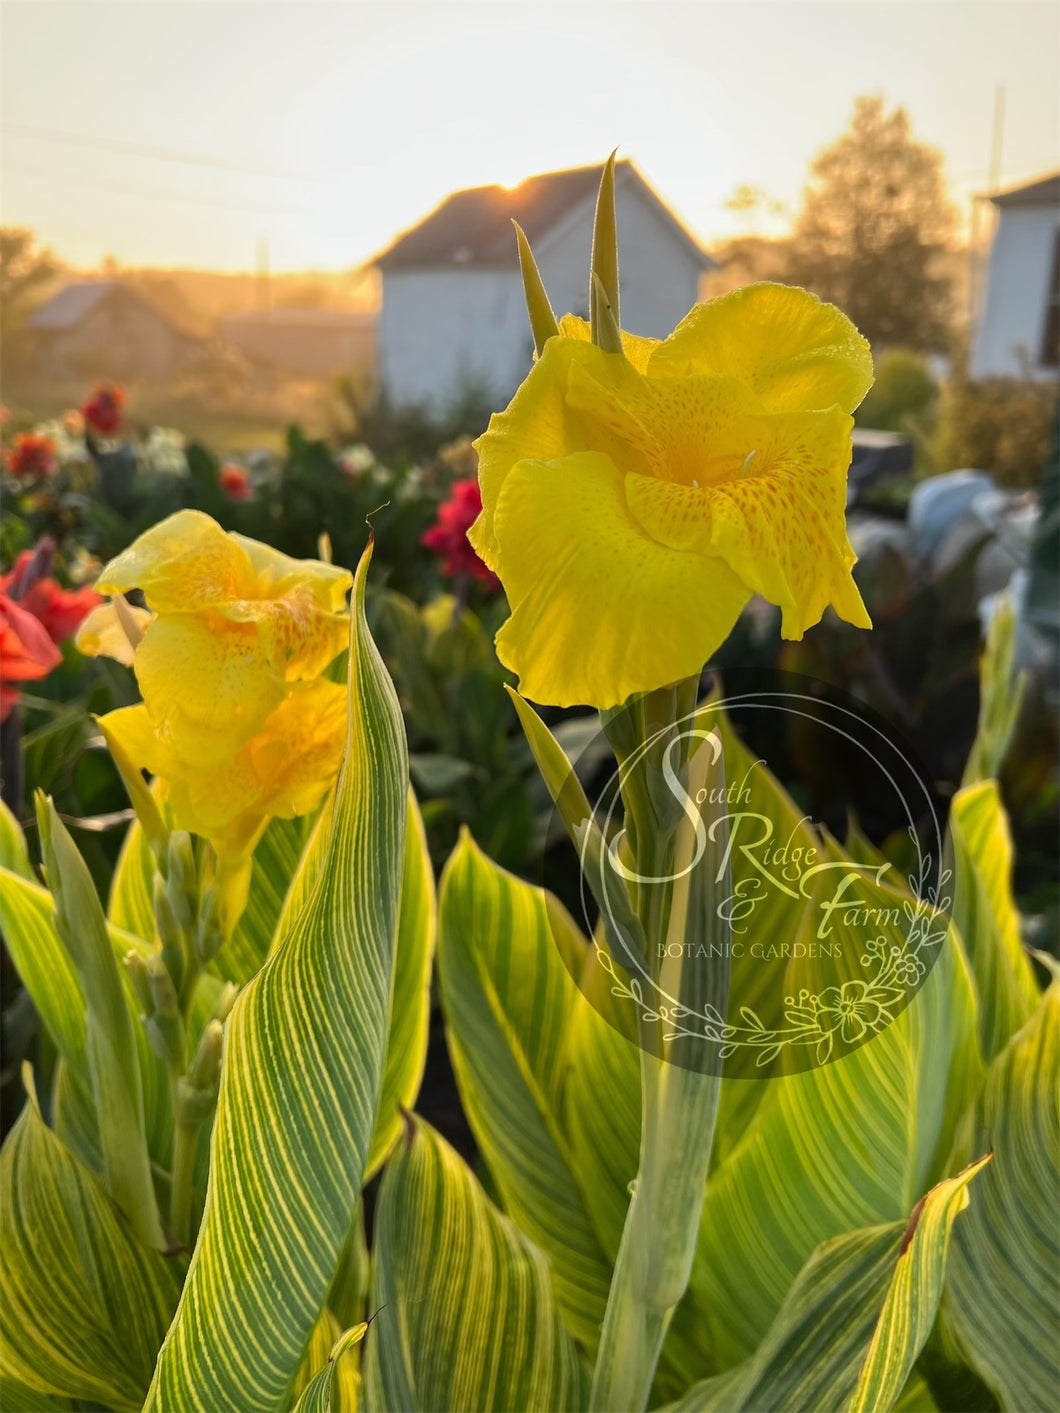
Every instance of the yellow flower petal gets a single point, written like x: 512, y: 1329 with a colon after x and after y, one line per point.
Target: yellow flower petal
x: 695, y: 430
x: 780, y: 527
x: 136, y: 734
x: 541, y: 422
x: 600, y: 610
x: 206, y: 683
x: 182, y: 564
x: 102, y: 635
x: 276, y: 576
x: 794, y: 352
x: 282, y: 771
x: 636, y: 348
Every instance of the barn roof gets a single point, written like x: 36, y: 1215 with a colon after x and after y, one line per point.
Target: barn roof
x: 473, y: 227
x: 75, y: 301
x: 1043, y: 191
x: 70, y: 305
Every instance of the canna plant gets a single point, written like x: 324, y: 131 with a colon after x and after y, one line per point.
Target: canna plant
x: 239, y: 1040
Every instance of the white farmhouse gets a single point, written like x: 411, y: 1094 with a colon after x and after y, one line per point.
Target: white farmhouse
x: 1018, y: 333
x: 453, y: 320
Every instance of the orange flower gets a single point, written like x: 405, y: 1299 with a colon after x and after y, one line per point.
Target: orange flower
x: 235, y: 481
x: 32, y: 457
x: 27, y: 653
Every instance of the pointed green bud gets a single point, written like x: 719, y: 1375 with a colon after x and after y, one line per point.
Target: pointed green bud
x: 136, y: 970
x: 225, y: 1001
x: 608, y: 335
x: 209, y: 932
x: 604, y: 262
x: 197, y: 1090
x: 170, y: 932
x: 182, y: 883
x: 543, y: 324
x: 164, y: 998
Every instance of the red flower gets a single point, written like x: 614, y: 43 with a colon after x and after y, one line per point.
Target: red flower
x: 235, y: 481
x: 60, y: 610
x: 32, y: 457
x: 26, y: 651
x: 36, y: 614
x: 448, y: 536
x: 102, y: 412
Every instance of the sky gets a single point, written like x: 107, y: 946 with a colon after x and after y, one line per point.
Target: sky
x: 179, y: 133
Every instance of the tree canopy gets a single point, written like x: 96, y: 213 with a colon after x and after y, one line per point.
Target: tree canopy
x: 875, y: 228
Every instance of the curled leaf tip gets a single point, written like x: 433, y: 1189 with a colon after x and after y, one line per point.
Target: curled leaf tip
x: 409, y: 1122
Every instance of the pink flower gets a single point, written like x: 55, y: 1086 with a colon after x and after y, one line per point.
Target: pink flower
x: 448, y: 536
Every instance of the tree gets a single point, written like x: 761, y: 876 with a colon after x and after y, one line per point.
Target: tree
x: 25, y: 271
x: 875, y: 229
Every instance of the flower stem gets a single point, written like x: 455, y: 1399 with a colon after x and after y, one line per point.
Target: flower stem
x: 182, y: 1172
x: 680, y: 1086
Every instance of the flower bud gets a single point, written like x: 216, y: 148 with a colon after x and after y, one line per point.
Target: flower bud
x: 170, y: 932
x: 136, y: 968
x: 182, y: 880
x: 197, y: 1090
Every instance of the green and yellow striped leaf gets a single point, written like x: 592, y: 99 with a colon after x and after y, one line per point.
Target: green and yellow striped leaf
x: 913, y: 1294
x: 303, y: 1066
x: 831, y: 1150
x: 509, y: 1001
x: 1003, y: 1283
x: 465, y: 1316
x: 852, y: 1324
x: 986, y: 916
x: 85, y: 1304
x: 50, y: 977
x: 333, y: 1389
x: 14, y: 856
x: 410, y: 1012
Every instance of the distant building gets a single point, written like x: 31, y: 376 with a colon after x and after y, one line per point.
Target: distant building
x: 313, y: 343
x: 1018, y: 330
x: 105, y: 328
x: 454, y: 319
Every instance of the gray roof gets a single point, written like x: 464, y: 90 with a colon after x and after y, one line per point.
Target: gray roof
x: 75, y: 301
x: 1043, y: 191
x: 474, y: 227
x: 70, y: 305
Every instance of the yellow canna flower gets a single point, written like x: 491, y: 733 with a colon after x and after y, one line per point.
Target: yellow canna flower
x: 236, y: 636
x: 633, y: 504
x: 282, y: 771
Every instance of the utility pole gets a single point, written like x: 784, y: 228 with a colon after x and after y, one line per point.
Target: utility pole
x: 264, y: 293
x: 975, y: 254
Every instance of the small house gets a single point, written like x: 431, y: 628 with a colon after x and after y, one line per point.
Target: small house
x: 1018, y: 330
x: 453, y: 323
x: 106, y: 328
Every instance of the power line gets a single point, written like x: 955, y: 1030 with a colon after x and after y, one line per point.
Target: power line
x: 160, y: 154
x: 150, y: 193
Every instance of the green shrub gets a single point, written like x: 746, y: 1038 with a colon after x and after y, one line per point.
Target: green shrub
x: 1000, y: 425
x: 904, y: 392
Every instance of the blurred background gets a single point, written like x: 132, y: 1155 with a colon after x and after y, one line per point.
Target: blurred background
x: 257, y: 258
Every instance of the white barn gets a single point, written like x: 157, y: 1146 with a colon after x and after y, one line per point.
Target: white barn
x: 1018, y: 330
x: 453, y: 320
